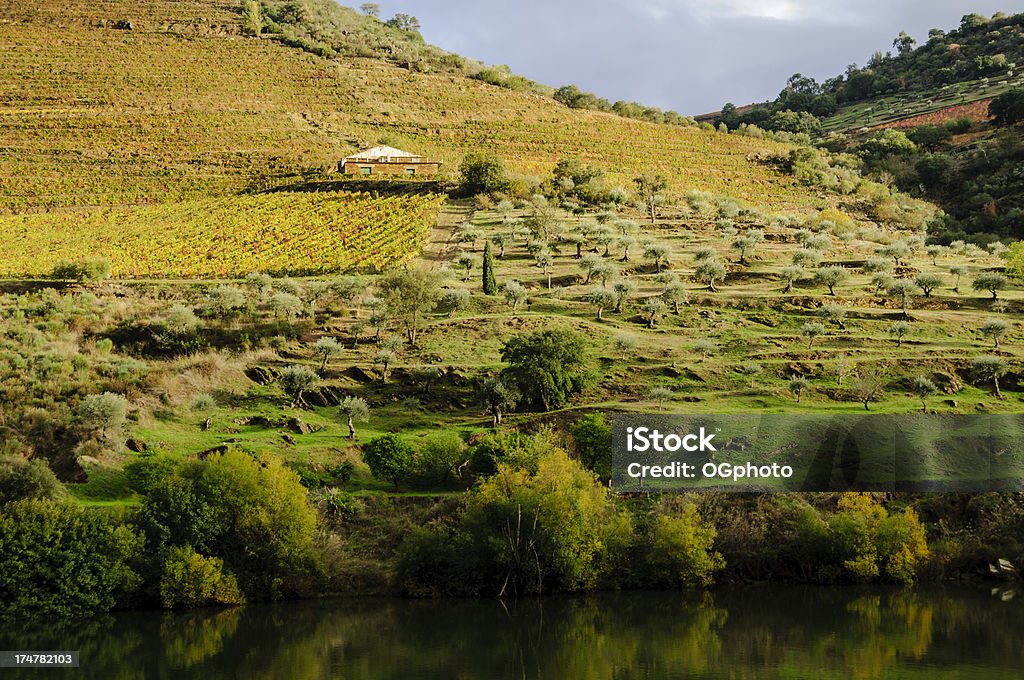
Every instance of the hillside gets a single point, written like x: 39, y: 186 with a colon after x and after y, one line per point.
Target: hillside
x: 184, y: 105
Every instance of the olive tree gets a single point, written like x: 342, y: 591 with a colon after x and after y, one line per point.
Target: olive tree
x: 990, y: 369
x: 831, y: 277
x: 997, y: 329
x: 353, y: 410
x: 923, y: 388
x: 993, y: 283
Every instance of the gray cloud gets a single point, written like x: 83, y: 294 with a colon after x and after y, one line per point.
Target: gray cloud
x: 687, y: 55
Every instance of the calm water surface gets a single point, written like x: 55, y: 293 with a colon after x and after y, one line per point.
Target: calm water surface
x: 785, y: 632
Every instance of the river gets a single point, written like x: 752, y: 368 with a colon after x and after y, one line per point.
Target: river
x: 755, y: 632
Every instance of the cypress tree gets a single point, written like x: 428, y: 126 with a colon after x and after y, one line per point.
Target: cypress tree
x: 490, y: 284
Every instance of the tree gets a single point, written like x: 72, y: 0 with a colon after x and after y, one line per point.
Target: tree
x: 831, y: 277
x: 625, y: 243
x: 751, y: 370
x: 601, y: 298
x: 353, y: 410
x: 958, y: 272
x: 191, y: 580
x: 252, y: 17
x: 934, y: 252
x: 589, y: 264
x: 409, y: 294
x: 593, y: 437
x: 501, y: 239
x: 545, y: 259
x: 811, y: 331
x: 1007, y: 108
x: 389, y: 457
x: 297, y: 379
x: 385, y: 357
x: 498, y: 396
x: 326, y: 348
x: 990, y: 369
x: 104, y: 414
x: 903, y: 43
x: 833, y: 313
x: 404, y: 22
x: 285, y: 305
x: 997, y: 329
x: 993, y: 283
x: 548, y: 366
x: 659, y: 254
x: 928, y: 283
x: 650, y: 188
x: 467, y: 262
x: 252, y: 512
x: 898, y: 251
x: 903, y: 290
x: 225, y: 301
x: 923, y: 388
x: 22, y: 479
x: 654, y: 309
x: 881, y: 280
x: 805, y: 257
x: 660, y: 395
x: 623, y: 291
x: 746, y: 246
x: 791, y: 275
x: 674, y: 294
x: 490, y: 283
x: 705, y: 348
x: 623, y: 345
x: 453, y: 300
x: 604, y: 271
x: 899, y: 330
x: 370, y: 9
x: 867, y: 385
x: 710, y: 272
x: 843, y: 366
x: 515, y: 294
x: 797, y: 385
x: 483, y: 174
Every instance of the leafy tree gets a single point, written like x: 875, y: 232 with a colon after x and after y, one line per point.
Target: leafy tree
x: 746, y: 246
x: 705, y: 348
x: 923, y: 388
x: 593, y: 437
x: 252, y: 17
x: 650, y: 188
x: 410, y: 294
x: 903, y: 43
x: 660, y: 395
x: 830, y: 277
x: 490, y: 283
x: 385, y: 357
x: 928, y: 283
x: 467, y: 262
x: 483, y: 174
x: 997, y: 329
x: 515, y: 294
x: 590, y: 264
x: 958, y: 272
x: 22, y: 479
x: 545, y: 259
x: 1008, y: 108
x: 225, y: 301
x: 104, y: 414
x: 797, y: 385
x: 899, y: 330
x: 440, y: 456
x: 297, y: 379
x: 354, y: 409
x: 806, y: 257
x: 811, y: 331
x: 389, y: 457
x: 680, y: 550
x: 833, y: 313
x: 654, y: 309
x: 453, y: 300
x: 59, y: 560
x: 548, y: 366
x: 250, y: 512
x: 370, y: 9
x: 904, y: 291
x: 601, y: 298
x: 751, y: 370
x: 326, y: 348
x: 990, y: 369
x: 791, y: 275
x: 404, y: 22
x: 659, y: 254
x: 993, y: 283
x: 285, y: 305
x: 710, y: 272
x: 623, y: 291
x: 191, y: 580
x: 498, y: 396
x: 881, y: 280
x: 674, y: 294
x: 623, y: 345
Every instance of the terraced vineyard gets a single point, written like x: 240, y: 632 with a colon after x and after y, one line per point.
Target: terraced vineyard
x: 184, y: 106
x: 293, y: 233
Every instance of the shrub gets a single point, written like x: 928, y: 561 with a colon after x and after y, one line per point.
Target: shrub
x: 27, y: 479
x: 103, y: 414
x: 593, y: 437
x: 547, y: 366
x: 440, y: 457
x: 680, y: 550
x: 251, y: 513
x: 192, y: 580
x: 389, y: 457
x: 482, y: 174
x: 57, y: 559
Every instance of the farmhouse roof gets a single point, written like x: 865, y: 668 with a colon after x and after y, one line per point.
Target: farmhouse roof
x: 382, y: 152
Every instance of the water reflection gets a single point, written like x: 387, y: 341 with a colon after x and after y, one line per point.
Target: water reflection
x: 791, y: 632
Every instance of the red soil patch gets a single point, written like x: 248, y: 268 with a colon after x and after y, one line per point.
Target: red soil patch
x: 976, y: 111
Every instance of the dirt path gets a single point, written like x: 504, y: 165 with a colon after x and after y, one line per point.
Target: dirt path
x: 441, y: 244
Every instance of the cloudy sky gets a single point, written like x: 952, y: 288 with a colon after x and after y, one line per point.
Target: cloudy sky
x: 687, y: 55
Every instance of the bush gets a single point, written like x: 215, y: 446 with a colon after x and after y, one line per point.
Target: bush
x: 22, y: 479
x: 440, y: 458
x: 680, y: 550
x: 103, y: 414
x: 192, y: 580
x: 482, y: 174
x: 593, y: 437
x: 870, y: 543
x: 251, y: 513
x: 389, y: 457
x: 59, y: 560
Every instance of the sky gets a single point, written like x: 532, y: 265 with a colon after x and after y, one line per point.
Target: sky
x: 691, y: 56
